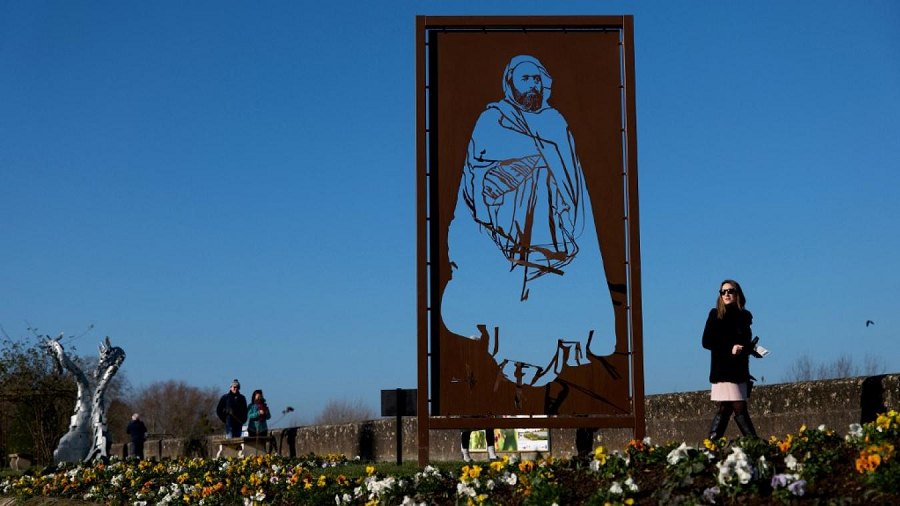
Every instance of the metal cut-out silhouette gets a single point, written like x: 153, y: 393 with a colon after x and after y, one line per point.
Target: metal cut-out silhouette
x: 522, y: 244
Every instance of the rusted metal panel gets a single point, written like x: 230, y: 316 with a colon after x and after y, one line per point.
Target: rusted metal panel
x: 535, y: 423
x: 637, y: 321
x: 525, y: 171
x: 421, y: 247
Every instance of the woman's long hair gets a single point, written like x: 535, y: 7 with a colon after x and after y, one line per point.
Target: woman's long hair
x: 262, y: 400
x: 740, y: 301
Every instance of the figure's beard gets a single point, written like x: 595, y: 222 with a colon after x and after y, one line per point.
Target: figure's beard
x: 530, y: 101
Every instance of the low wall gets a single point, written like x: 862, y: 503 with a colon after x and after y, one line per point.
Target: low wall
x: 775, y: 409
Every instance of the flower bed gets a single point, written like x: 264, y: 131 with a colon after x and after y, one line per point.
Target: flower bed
x: 813, y: 465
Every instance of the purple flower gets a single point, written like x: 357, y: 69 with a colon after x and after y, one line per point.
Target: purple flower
x: 781, y: 480
x: 798, y: 488
x: 710, y: 494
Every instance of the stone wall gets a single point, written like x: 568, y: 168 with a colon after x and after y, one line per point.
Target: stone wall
x: 775, y: 409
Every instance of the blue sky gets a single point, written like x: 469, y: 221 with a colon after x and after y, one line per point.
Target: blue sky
x: 228, y: 189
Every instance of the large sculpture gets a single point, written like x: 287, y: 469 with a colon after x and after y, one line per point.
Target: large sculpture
x: 521, y: 219
x: 88, y: 438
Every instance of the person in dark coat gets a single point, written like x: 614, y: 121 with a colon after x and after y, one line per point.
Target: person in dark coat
x: 138, y: 432
x: 729, y: 340
x: 232, y: 410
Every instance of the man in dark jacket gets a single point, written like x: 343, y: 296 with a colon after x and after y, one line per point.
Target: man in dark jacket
x: 138, y: 431
x: 232, y: 410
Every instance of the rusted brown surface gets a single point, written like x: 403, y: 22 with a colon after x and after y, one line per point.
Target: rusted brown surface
x: 593, y: 82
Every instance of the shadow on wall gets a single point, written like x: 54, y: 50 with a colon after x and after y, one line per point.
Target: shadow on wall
x: 367, y: 441
x: 291, y: 435
x: 195, y: 447
x: 871, y: 399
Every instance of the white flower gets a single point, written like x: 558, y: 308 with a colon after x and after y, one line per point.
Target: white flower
x: 822, y: 428
x: 260, y: 496
x: 490, y: 484
x: 743, y: 475
x: 463, y: 489
x: 678, y: 453
x: 615, y: 488
x: 594, y: 465
x: 791, y: 462
x: 632, y: 486
x: 510, y: 478
x: 856, y: 431
x: 736, y: 464
x: 647, y: 441
x: 763, y: 464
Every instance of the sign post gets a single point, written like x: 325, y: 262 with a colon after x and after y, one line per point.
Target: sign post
x: 399, y: 402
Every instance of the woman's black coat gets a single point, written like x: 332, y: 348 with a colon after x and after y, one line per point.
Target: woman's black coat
x: 719, y: 337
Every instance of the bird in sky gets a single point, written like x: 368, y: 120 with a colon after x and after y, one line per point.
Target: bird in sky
x: 869, y: 322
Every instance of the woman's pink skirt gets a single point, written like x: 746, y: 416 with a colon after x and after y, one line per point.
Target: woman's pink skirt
x: 729, y: 392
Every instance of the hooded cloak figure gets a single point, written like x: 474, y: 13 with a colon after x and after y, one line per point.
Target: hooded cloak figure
x: 524, y: 253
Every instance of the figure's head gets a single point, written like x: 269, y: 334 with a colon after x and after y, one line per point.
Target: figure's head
x: 235, y: 386
x: 135, y: 417
x: 527, y: 83
x: 257, y: 396
x: 730, y: 296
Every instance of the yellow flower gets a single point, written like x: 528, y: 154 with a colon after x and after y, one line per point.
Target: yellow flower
x: 370, y: 470
x: 629, y: 501
x: 710, y: 445
x: 475, y: 471
x: 373, y: 502
x: 802, y: 429
x: 182, y: 478
x: 321, y: 481
x: 874, y: 461
x: 497, y: 465
x: 481, y: 498
x: 600, y: 454
x: 526, y: 466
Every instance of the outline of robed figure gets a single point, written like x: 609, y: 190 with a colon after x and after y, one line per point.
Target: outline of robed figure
x: 522, y: 217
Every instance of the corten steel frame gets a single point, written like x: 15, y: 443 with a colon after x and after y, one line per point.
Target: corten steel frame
x: 431, y: 269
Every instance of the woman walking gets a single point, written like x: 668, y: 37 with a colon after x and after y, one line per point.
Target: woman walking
x: 257, y: 414
x: 728, y: 338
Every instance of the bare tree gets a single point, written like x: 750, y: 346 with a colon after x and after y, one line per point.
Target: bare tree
x: 874, y: 365
x: 343, y: 411
x: 177, y: 409
x: 801, y: 369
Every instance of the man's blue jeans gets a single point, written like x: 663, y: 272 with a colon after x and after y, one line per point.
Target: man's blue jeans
x: 232, y: 429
